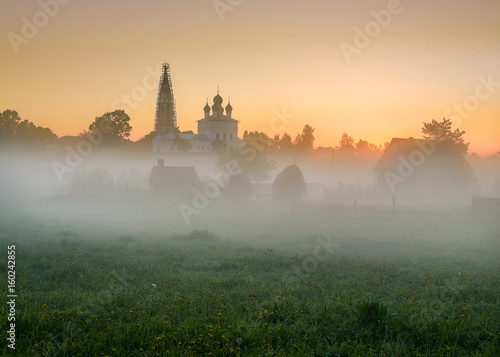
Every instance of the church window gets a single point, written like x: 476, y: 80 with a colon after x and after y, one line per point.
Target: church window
x: 224, y: 136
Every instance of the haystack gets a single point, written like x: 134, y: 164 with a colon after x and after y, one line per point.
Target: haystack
x: 178, y: 181
x: 289, y: 186
x: 239, y: 187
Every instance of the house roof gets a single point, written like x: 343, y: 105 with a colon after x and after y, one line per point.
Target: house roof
x: 69, y: 140
x: 443, y: 151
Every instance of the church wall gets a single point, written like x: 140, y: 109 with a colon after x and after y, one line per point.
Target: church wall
x: 167, y: 145
x: 212, y: 128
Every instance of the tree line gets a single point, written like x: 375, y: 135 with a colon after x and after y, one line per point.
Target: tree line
x: 115, y: 128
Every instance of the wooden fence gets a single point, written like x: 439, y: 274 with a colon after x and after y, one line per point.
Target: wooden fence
x: 480, y: 206
x: 486, y: 205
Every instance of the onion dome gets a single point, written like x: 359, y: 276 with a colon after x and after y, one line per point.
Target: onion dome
x: 229, y: 108
x: 206, y: 108
x: 218, y: 99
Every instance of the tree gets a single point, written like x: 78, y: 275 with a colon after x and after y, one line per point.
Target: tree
x: 181, y: 144
x: 28, y: 132
x: 253, y: 162
x: 114, y: 126
x: 362, y: 146
x: 219, y: 145
x: 441, y: 131
x: 9, y: 120
x: 306, y: 139
x: 146, y: 142
x: 275, y: 143
x: 346, y: 143
x: 296, y: 141
x: 13, y: 129
x: 259, y: 140
x: 25, y: 130
x: 285, y: 142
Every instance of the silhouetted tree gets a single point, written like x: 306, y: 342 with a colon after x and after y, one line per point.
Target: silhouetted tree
x: 13, y: 129
x: 257, y: 139
x: 283, y: 143
x: 146, y: 142
x: 114, y: 126
x: 306, y: 139
x: 219, y: 145
x: 275, y: 143
x: 181, y: 144
x: 28, y: 132
x: 362, y: 146
x: 441, y: 131
x: 252, y: 162
x: 346, y: 143
x: 8, y: 123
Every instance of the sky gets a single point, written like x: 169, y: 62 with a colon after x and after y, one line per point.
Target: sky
x: 372, y: 69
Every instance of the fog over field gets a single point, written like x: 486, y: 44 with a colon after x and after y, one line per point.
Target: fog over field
x: 250, y: 178
x: 111, y: 189
x: 310, y: 246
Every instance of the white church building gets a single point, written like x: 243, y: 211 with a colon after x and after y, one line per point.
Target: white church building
x: 213, y: 127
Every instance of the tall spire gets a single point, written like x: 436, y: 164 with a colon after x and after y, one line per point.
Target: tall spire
x: 166, y: 117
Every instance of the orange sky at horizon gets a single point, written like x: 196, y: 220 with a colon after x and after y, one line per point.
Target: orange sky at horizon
x: 269, y: 58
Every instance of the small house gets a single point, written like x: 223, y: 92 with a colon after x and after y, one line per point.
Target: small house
x: 418, y: 171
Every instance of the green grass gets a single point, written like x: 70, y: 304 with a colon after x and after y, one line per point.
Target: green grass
x: 198, y: 294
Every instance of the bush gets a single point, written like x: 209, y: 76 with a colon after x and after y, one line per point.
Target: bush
x: 371, y: 312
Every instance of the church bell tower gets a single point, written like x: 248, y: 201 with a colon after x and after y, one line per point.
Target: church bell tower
x: 166, y: 117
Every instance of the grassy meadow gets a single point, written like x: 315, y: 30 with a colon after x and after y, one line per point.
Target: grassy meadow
x: 308, y: 284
